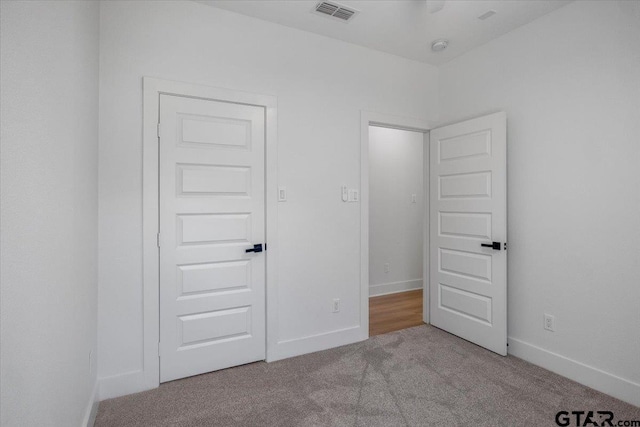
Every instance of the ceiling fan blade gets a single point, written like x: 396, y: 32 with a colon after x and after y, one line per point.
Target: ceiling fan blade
x: 434, y: 6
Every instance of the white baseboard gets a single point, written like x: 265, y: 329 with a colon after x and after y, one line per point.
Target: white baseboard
x: 122, y: 384
x: 595, y: 378
x: 92, y: 408
x: 394, y: 287
x: 134, y: 382
x: 311, y: 344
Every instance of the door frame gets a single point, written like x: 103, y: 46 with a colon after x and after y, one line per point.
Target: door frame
x: 152, y: 88
x: 368, y: 118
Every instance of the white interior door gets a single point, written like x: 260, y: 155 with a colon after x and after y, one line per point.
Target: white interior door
x: 212, y: 292
x: 468, y: 202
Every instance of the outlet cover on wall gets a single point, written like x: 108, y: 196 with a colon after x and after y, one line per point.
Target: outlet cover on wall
x: 354, y: 195
x: 549, y: 322
x: 386, y: 267
x: 336, y: 305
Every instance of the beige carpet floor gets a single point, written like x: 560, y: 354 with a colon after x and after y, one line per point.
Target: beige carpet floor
x: 420, y: 376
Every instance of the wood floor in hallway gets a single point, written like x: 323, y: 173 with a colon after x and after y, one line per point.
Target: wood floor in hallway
x: 388, y: 313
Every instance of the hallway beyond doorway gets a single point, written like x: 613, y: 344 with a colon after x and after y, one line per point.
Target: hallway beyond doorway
x: 388, y: 313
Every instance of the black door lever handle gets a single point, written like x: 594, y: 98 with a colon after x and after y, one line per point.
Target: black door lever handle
x: 493, y: 245
x: 256, y: 248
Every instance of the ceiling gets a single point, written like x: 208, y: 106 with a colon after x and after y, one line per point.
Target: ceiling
x: 402, y: 27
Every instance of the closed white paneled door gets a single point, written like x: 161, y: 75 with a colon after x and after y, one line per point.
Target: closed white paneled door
x: 212, y: 292
x: 468, y: 259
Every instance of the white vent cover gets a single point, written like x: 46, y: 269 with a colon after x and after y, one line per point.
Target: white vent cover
x: 335, y: 10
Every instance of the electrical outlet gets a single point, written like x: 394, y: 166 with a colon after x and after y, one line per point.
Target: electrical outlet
x: 414, y: 198
x: 386, y: 267
x: 336, y: 305
x: 549, y: 322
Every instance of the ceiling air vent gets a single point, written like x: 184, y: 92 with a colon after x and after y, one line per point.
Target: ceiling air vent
x: 335, y: 10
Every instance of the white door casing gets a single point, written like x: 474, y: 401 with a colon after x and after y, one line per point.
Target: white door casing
x: 212, y: 208
x: 468, y: 195
x: 369, y: 118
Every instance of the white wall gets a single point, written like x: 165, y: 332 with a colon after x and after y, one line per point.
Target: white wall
x: 49, y: 109
x: 321, y: 85
x: 570, y: 85
x: 395, y: 221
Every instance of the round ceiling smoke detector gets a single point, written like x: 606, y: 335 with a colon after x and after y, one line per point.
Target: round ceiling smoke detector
x: 439, y: 45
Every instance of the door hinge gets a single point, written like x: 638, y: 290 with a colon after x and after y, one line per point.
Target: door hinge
x: 158, y: 130
x: 158, y: 239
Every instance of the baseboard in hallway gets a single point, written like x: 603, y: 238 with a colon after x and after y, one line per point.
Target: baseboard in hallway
x: 394, y: 287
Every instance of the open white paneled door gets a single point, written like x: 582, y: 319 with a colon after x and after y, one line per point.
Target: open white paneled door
x: 468, y: 203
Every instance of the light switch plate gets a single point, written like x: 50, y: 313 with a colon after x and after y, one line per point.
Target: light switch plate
x: 282, y: 194
x: 354, y: 195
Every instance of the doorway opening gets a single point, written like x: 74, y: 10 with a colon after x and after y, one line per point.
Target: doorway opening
x: 464, y: 245
x: 396, y: 202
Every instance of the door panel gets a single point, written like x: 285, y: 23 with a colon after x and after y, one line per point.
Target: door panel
x: 212, y: 293
x: 468, y: 282
x: 465, y: 225
x: 213, y: 180
x: 213, y: 277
